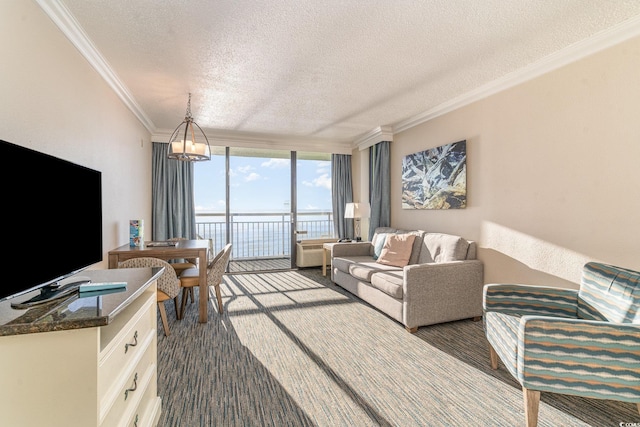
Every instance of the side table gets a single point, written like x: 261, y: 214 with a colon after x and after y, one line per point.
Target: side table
x: 326, y: 250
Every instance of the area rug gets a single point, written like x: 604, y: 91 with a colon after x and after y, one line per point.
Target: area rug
x: 293, y: 349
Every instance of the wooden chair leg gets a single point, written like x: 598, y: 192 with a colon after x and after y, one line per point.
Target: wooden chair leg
x: 412, y: 330
x: 185, y: 295
x: 163, y: 316
x: 219, y: 298
x: 493, y: 356
x: 531, y: 406
x: 176, y: 305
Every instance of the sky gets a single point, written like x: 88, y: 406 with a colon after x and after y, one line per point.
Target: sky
x: 261, y: 185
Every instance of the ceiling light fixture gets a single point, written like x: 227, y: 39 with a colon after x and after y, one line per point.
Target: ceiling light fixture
x: 183, y: 144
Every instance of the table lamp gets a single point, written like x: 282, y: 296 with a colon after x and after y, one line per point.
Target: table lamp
x: 357, y: 211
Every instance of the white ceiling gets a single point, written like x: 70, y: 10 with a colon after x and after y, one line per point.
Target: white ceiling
x: 331, y: 70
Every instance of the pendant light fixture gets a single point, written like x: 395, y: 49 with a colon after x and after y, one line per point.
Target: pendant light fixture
x: 183, y: 144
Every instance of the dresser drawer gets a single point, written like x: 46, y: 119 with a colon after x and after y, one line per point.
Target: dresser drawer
x: 127, y: 346
x: 148, y: 411
x: 87, y: 369
x: 130, y: 393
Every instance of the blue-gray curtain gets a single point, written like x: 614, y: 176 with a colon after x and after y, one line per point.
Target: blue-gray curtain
x: 342, y: 193
x: 379, y: 186
x: 172, y: 201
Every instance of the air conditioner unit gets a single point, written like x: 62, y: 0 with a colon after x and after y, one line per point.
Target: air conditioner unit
x: 309, y: 252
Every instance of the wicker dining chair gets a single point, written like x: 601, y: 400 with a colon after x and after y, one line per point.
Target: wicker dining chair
x: 180, y: 265
x: 168, y: 284
x: 190, y: 278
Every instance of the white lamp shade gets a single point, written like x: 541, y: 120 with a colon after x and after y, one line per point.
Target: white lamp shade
x: 176, y: 147
x: 357, y: 210
x: 202, y: 149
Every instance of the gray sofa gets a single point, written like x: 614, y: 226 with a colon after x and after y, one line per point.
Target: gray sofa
x: 442, y: 282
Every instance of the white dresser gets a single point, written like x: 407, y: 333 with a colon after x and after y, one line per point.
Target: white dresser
x: 84, y: 362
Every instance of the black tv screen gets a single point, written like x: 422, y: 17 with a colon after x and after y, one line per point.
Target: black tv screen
x: 52, y: 219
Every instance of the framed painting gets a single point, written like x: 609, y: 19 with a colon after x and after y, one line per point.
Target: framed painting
x: 436, y: 178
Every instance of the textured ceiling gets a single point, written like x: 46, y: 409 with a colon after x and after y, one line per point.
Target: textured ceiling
x: 332, y: 69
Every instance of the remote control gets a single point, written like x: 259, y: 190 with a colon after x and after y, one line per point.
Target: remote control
x: 92, y: 287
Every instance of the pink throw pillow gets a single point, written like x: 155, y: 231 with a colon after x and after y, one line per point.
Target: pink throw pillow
x: 397, y: 250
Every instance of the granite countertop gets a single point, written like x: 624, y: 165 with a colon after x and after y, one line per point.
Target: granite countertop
x: 74, y: 311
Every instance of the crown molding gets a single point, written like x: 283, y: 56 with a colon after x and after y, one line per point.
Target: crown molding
x: 225, y: 138
x: 381, y: 133
x: 70, y: 27
x: 602, y: 40
x: 65, y: 21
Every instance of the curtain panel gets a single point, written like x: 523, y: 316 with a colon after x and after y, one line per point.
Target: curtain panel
x: 173, y: 205
x: 379, y: 186
x: 342, y: 193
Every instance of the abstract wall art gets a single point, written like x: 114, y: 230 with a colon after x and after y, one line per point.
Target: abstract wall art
x: 436, y: 178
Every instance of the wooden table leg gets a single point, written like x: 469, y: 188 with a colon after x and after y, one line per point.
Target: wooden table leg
x: 324, y: 261
x: 113, y: 261
x: 203, y: 300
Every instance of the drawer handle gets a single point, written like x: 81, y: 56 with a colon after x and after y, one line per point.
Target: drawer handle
x: 135, y: 342
x: 135, y: 386
x: 135, y: 423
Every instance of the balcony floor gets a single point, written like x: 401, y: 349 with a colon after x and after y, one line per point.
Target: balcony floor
x: 255, y: 265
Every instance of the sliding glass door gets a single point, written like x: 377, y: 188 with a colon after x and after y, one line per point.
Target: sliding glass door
x: 262, y: 201
x: 260, y: 209
x: 314, y: 219
x: 210, y: 195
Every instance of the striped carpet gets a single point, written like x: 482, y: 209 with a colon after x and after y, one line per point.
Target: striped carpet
x: 292, y: 349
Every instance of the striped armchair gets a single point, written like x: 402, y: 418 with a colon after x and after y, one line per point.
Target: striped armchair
x: 582, y: 342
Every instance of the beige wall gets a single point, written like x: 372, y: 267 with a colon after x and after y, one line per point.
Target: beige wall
x: 55, y: 102
x: 553, y: 174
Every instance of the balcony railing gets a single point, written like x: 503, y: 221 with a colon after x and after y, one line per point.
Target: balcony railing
x: 262, y: 235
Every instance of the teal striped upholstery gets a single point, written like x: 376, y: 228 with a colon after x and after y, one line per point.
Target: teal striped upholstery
x: 521, y: 300
x: 582, y: 342
x: 609, y: 293
x: 580, y: 357
x: 503, y: 336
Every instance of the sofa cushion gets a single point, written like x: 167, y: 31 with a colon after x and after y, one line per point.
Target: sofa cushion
x: 365, y: 269
x: 439, y: 247
x: 362, y: 271
x: 417, y: 245
x: 381, y: 230
x: 343, y: 264
x: 397, y: 249
x: 389, y: 282
x: 360, y: 267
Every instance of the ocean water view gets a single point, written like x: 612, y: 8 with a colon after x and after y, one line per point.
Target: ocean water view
x: 262, y: 235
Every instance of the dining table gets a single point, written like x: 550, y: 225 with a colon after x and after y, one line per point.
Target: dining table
x: 168, y: 250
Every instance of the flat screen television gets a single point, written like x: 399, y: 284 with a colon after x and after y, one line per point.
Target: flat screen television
x: 52, y: 221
